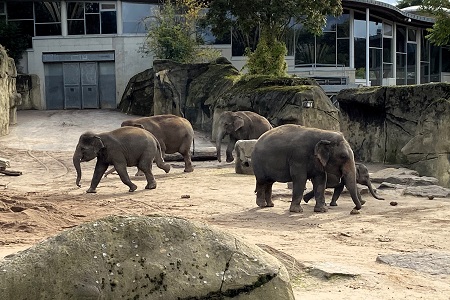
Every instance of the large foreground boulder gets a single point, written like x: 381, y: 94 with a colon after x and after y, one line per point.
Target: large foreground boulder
x: 143, y: 258
x: 9, y: 98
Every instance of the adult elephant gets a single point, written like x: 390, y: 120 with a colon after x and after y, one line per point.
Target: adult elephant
x: 297, y: 153
x: 239, y: 125
x: 122, y: 148
x: 362, y: 177
x: 174, y: 134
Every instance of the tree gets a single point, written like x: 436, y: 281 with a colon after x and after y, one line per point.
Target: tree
x: 14, y: 41
x: 439, y: 34
x: 172, y: 32
x: 272, y: 18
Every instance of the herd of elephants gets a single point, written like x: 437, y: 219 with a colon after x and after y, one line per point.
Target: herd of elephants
x: 287, y: 153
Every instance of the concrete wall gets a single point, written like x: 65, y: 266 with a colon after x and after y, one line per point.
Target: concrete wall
x: 128, y: 61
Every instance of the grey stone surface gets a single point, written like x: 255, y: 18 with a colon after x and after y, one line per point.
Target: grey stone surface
x: 9, y: 99
x: 330, y: 269
x: 243, y: 160
x: 427, y: 191
x: 143, y: 257
x: 422, y: 261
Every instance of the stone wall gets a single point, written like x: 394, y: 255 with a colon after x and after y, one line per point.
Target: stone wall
x: 29, y: 88
x: 8, y: 93
x: 379, y: 121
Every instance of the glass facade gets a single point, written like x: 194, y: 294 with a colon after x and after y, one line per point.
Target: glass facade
x: 91, y: 18
x: 136, y: 16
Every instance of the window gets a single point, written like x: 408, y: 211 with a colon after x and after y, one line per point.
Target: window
x: 47, y: 18
x: 388, y: 67
x: 91, y: 18
x: 375, y: 50
x: 135, y: 16
x: 401, y: 54
x: 329, y: 49
x: 2, y: 11
x: 360, y: 44
x: 21, y: 14
x: 424, y: 58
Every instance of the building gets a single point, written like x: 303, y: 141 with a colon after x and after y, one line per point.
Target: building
x: 85, y: 52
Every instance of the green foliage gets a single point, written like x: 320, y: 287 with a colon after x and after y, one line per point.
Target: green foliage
x: 439, y: 34
x: 268, y: 58
x: 272, y: 19
x: 172, y: 33
x: 13, y: 40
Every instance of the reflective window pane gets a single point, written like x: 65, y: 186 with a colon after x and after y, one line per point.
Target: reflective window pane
x: 401, y: 68
x: 19, y: 10
x: 343, y: 52
x: 375, y: 66
x: 401, y: 39
x: 360, y: 44
x: 375, y: 32
x: 424, y: 72
x: 434, y: 64
x: 411, y: 35
x: 48, y: 29
x: 387, y: 50
x: 109, y: 22
x: 47, y: 12
x: 25, y: 27
x: 326, y: 48
x: 75, y: 27
x: 91, y: 7
x: 411, y: 63
x: 387, y: 29
x: 92, y: 24
x: 75, y: 10
x: 135, y: 16
x: 304, y: 47
x: 343, y: 25
x: 388, y: 70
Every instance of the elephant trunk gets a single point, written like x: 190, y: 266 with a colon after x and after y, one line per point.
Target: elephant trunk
x: 372, y: 192
x: 349, y: 174
x: 220, y: 134
x: 77, y: 164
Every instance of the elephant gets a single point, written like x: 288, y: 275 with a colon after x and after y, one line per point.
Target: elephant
x: 174, y: 134
x: 123, y: 147
x: 362, y: 177
x: 296, y: 153
x: 239, y: 125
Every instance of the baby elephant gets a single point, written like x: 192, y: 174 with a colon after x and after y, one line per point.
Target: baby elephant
x: 123, y: 147
x: 362, y: 177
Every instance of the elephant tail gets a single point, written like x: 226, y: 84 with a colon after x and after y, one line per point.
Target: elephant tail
x: 159, y: 158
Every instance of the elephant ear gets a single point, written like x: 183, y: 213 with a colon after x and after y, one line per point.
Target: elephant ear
x: 322, y: 151
x: 238, y: 123
x: 97, y: 143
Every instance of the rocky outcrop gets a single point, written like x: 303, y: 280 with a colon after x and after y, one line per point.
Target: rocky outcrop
x: 144, y: 258
x: 137, y: 99
x: 28, y: 87
x: 286, y: 100
x: 9, y: 98
x: 379, y: 121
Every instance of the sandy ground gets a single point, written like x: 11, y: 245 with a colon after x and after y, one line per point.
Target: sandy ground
x: 45, y: 201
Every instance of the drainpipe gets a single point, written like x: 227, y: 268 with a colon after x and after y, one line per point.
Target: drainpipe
x: 367, y: 47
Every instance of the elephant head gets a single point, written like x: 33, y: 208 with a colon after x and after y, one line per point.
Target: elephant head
x: 362, y: 177
x: 336, y: 157
x: 229, y: 123
x: 88, y: 147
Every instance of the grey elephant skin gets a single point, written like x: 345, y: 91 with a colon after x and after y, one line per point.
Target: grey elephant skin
x: 362, y: 177
x: 123, y: 147
x: 174, y: 134
x: 239, y: 125
x: 297, y: 153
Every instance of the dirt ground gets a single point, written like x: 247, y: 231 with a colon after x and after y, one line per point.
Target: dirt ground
x: 45, y: 201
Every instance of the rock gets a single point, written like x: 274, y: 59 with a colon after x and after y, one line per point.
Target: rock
x: 243, y: 160
x: 145, y: 258
x: 387, y: 185
x: 9, y: 98
x: 380, y: 175
x: 329, y: 270
x: 137, y: 99
x: 427, y: 191
x: 422, y: 261
x: 428, y: 150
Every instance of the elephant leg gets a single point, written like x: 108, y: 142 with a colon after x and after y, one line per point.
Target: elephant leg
x: 336, y: 193
x: 298, y: 187
x: 268, y: 194
x: 186, y: 153
x: 319, y: 186
x: 99, y: 170
x: 139, y: 173
x: 109, y: 172
x: 230, y: 148
x: 308, y: 196
x: 261, y: 194
x: 123, y: 174
x: 147, y: 171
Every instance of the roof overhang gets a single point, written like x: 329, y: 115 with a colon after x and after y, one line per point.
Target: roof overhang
x: 389, y: 12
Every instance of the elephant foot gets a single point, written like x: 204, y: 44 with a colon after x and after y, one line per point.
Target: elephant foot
x: 91, y: 190
x: 296, y: 208
x: 362, y: 201
x: 321, y: 208
x: 139, y: 173
x: 166, y: 168
x: 333, y: 203
x: 230, y: 159
x: 189, y: 170
x: 270, y: 204
x: 151, y: 186
x: 133, y: 187
x: 261, y: 203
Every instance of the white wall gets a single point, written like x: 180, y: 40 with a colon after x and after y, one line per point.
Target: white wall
x: 128, y: 61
